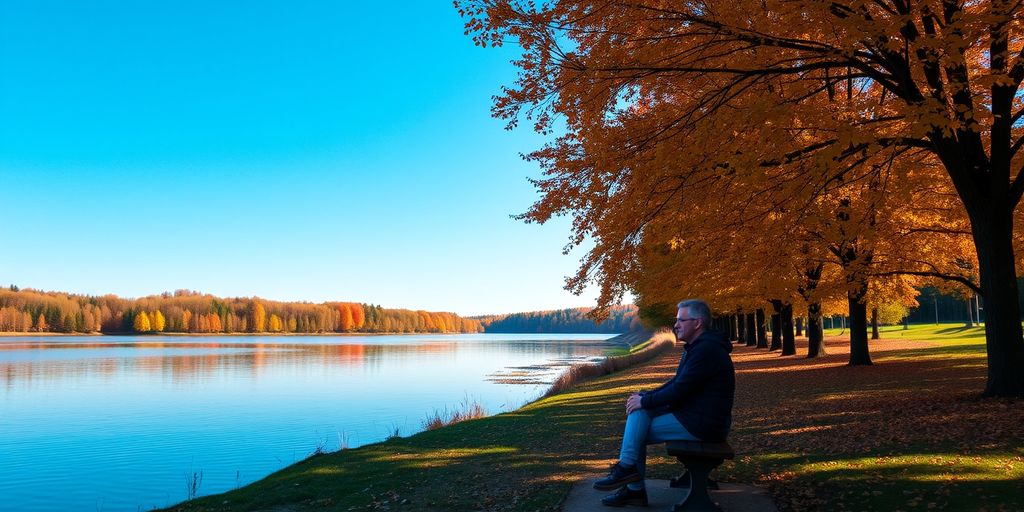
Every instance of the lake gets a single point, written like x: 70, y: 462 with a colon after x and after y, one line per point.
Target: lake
x: 129, y: 423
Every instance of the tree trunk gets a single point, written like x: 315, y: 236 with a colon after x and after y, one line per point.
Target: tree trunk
x: 741, y: 328
x: 977, y: 309
x: 762, y: 336
x: 815, y: 331
x: 859, y: 354
x: 993, y: 237
x: 788, y: 340
x: 970, y: 313
x: 874, y: 323
x: 751, y: 330
x: 776, y: 343
x: 799, y: 326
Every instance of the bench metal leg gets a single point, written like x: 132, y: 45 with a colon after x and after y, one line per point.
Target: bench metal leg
x: 683, y: 481
x: 698, y: 500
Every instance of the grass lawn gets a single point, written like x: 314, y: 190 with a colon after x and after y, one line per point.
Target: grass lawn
x: 909, y: 433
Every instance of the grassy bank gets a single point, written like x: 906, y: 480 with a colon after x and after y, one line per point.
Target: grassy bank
x: 615, y: 360
x: 909, y: 433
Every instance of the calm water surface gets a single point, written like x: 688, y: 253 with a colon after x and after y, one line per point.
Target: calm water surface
x: 122, y: 423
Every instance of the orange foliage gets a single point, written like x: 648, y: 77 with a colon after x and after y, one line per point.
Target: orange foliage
x: 877, y: 139
x: 345, y: 317
x: 358, y: 317
x: 186, y: 311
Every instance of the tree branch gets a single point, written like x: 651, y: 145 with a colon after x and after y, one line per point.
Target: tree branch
x: 945, y: 277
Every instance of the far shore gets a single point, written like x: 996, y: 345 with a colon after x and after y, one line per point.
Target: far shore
x: 200, y: 335
x: 618, y: 339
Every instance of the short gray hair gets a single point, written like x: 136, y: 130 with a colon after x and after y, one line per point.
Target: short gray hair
x: 697, y: 309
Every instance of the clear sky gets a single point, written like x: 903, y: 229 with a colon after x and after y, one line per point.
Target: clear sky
x: 314, y: 150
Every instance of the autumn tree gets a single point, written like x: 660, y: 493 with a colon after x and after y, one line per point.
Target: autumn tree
x: 214, y: 323
x: 275, y: 324
x: 158, y: 321
x: 346, y: 320
x: 41, y: 323
x: 89, y: 322
x: 358, y: 316
x: 186, y: 320
x: 891, y: 313
x: 141, y: 322
x: 815, y: 92
x: 257, y: 316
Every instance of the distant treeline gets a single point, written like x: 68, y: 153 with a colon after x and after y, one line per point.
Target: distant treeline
x: 620, y: 319
x: 187, y: 311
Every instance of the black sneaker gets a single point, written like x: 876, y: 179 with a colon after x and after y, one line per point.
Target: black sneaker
x: 626, y: 496
x: 620, y: 475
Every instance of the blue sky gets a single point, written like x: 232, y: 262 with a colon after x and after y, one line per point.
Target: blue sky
x: 291, y: 150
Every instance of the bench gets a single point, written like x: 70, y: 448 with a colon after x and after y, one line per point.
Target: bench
x: 699, y: 458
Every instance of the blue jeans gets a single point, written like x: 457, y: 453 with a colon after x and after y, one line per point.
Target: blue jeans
x: 642, y: 430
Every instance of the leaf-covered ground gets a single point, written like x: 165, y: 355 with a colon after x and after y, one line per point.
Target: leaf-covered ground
x: 909, y: 433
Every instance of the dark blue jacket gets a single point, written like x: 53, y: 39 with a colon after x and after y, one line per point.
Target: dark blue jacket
x: 701, y: 393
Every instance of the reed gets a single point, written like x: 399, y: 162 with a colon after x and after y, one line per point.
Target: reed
x: 395, y: 432
x: 192, y: 484
x: 468, y: 409
x: 321, y: 448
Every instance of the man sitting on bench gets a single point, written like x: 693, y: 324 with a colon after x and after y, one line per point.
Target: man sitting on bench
x: 695, y: 405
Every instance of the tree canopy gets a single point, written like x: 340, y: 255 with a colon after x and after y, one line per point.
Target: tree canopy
x: 27, y: 310
x: 733, y: 149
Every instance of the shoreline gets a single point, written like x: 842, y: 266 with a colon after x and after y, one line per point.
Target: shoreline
x: 207, y: 334
x: 630, y: 339
x: 626, y: 340
x: 614, y: 339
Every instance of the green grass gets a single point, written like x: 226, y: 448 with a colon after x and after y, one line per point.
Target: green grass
x: 933, y: 333
x: 624, y: 351
x: 909, y: 433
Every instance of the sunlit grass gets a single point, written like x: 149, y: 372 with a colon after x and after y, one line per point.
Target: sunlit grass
x: 926, y: 467
x: 946, y: 333
x: 621, y: 351
x: 912, y: 481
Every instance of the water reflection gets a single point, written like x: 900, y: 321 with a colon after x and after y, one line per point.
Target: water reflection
x: 138, y: 413
x: 190, y: 361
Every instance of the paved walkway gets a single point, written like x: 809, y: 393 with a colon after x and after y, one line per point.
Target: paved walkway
x: 731, y: 497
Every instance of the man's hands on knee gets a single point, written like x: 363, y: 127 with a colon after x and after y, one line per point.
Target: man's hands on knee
x: 633, y: 403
